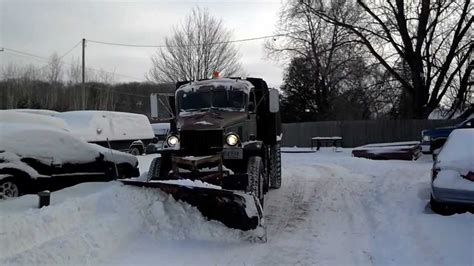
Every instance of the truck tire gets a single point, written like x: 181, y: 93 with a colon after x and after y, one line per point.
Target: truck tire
x: 155, y: 169
x: 275, y: 166
x: 9, y: 188
x: 255, y: 171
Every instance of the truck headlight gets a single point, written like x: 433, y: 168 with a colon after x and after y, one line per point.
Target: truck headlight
x: 172, y: 140
x: 426, y: 138
x: 232, y: 139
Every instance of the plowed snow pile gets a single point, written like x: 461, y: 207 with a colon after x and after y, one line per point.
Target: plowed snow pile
x: 86, y: 229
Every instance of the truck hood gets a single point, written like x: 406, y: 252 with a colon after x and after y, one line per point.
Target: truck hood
x: 209, y: 119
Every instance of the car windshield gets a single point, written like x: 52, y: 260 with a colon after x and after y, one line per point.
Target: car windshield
x: 208, y: 97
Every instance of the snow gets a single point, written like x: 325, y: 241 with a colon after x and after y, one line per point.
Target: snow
x: 458, y: 151
x: 35, y: 118
x: 332, y: 209
x: 189, y: 183
x: 13, y: 161
x: 37, y: 111
x: 327, y: 138
x: 95, y: 126
x: 203, y: 123
x: 225, y: 82
x: 388, y: 144
x: 279, y: 137
x: 51, y: 145
x: 450, y: 179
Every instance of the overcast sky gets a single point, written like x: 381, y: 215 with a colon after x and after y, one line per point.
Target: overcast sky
x: 42, y: 27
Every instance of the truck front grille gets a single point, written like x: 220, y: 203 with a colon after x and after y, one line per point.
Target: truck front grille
x: 201, y: 141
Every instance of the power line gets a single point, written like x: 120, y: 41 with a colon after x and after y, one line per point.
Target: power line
x: 70, y: 50
x: 47, y: 60
x: 192, y: 45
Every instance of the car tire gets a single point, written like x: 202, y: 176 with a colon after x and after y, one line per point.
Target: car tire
x: 255, y: 172
x: 440, y: 207
x: 275, y: 167
x: 10, y: 188
x: 136, y: 150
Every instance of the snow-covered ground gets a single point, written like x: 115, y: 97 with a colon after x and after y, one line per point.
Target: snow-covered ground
x: 332, y: 209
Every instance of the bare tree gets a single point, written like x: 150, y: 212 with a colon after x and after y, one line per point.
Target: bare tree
x: 74, y: 72
x: 426, y: 35
x: 197, y: 48
x: 334, y: 61
x: 54, y: 69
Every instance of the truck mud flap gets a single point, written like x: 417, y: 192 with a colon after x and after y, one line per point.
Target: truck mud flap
x: 234, y: 209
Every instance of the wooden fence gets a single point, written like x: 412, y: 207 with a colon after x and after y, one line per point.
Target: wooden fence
x: 357, y: 133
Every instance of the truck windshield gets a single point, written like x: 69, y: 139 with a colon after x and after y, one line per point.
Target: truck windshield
x: 208, y: 97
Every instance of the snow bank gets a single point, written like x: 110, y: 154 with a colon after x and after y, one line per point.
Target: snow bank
x: 95, y: 126
x: 88, y: 227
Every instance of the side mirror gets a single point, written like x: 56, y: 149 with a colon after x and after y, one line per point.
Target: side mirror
x: 274, y: 101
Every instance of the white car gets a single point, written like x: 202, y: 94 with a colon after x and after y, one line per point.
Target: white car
x: 452, y: 181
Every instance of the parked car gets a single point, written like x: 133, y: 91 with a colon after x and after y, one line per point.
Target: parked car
x: 122, y: 131
x: 35, y: 157
x: 433, y: 139
x: 452, y: 180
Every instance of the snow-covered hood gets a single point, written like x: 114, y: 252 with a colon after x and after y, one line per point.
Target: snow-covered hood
x: 458, y: 152
x: 212, y: 119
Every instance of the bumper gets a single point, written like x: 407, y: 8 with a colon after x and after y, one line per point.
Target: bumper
x: 450, y: 187
x: 426, y: 147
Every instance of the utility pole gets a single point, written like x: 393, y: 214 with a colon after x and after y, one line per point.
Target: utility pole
x: 83, y: 74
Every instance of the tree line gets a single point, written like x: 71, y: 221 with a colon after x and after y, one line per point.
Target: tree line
x: 368, y: 59
x: 55, y: 87
x: 346, y: 59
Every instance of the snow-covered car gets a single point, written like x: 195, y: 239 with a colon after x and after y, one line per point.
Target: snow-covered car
x: 122, y: 131
x: 35, y: 157
x: 452, y: 180
x: 119, y: 130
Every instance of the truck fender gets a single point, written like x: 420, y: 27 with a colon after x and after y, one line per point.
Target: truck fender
x: 253, y: 148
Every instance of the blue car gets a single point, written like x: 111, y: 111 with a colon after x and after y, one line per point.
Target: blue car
x: 433, y: 139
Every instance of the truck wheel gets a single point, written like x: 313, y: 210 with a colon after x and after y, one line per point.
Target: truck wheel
x: 155, y: 169
x: 275, y: 167
x: 9, y: 188
x: 255, y: 173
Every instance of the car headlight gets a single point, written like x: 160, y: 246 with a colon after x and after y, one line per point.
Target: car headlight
x: 172, y: 140
x: 232, y: 139
x: 426, y: 138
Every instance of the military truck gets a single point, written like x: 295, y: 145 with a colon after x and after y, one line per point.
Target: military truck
x: 225, y: 132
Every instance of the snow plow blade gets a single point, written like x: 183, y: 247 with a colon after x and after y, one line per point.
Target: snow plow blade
x: 236, y: 210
